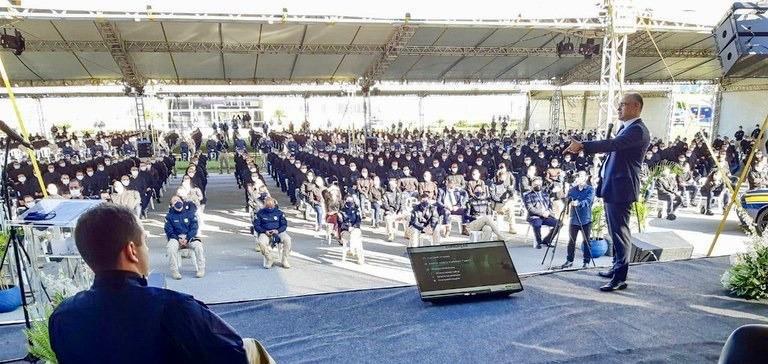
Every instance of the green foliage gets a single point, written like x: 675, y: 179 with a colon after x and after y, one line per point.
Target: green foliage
x: 598, y: 220
x: 39, y: 340
x: 640, y: 212
x: 748, y: 277
x: 3, y: 249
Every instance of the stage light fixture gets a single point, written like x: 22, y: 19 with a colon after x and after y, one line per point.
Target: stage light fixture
x: 564, y: 47
x: 589, y: 48
x: 15, y: 41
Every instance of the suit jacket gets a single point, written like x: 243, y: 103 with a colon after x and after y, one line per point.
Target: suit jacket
x: 622, y: 169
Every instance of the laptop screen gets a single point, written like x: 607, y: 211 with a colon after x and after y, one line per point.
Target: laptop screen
x: 457, y: 269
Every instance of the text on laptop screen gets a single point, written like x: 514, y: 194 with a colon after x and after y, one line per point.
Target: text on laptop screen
x: 462, y: 266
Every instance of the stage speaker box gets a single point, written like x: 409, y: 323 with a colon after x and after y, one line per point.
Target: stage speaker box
x: 741, y: 39
x: 144, y: 148
x: 659, y: 246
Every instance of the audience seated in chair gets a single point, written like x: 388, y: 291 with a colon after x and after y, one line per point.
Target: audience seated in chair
x: 539, y: 208
x: 181, y: 230
x: 269, y: 226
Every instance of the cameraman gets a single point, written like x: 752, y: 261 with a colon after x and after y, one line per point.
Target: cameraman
x: 582, y: 196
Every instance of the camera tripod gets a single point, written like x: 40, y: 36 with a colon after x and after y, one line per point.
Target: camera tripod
x: 556, y: 236
x: 14, y: 240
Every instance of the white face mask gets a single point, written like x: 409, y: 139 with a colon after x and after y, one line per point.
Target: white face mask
x: 80, y: 177
x: 135, y: 174
x: 125, y: 182
x: 22, y: 179
x: 101, y: 168
x: 74, y: 193
x: 65, y: 181
x: 90, y: 174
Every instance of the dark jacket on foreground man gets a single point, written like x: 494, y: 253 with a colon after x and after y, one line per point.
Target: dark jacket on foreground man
x: 158, y: 326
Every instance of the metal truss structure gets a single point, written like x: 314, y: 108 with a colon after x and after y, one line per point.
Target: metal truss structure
x: 570, y: 24
x: 336, y: 49
x: 614, y: 56
x: 555, y: 104
x: 392, y: 50
x: 116, y: 48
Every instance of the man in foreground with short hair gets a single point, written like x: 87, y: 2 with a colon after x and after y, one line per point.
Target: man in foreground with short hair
x: 122, y: 320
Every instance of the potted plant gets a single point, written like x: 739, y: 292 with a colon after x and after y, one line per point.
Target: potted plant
x: 39, y: 340
x: 748, y: 275
x: 10, y: 295
x: 597, y: 242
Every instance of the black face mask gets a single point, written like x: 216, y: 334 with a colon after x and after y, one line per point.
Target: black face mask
x: 537, y: 188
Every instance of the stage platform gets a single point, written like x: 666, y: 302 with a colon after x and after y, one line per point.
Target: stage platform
x: 672, y: 312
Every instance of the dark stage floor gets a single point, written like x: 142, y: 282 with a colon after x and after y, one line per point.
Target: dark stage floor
x: 672, y: 312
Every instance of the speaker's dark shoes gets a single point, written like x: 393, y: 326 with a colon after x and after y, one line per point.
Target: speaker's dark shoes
x: 613, y: 286
x: 608, y: 274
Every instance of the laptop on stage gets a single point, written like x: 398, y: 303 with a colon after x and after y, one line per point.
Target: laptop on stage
x: 464, y: 270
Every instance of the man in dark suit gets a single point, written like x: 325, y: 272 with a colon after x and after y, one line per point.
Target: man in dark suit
x: 620, y: 181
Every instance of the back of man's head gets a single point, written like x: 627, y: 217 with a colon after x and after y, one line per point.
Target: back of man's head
x: 102, y: 235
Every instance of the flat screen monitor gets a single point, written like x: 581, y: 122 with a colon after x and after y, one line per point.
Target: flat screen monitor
x: 469, y: 269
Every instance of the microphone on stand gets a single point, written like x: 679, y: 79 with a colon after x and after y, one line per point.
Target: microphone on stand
x: 13, y: 135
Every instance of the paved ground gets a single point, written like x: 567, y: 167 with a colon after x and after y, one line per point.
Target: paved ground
x: 234, y: 270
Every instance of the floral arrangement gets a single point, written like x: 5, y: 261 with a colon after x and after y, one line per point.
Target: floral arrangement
x: 748, y: 275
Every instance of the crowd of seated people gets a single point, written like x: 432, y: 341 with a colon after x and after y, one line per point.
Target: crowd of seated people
x: 426, y: 180
x: 88, y: 168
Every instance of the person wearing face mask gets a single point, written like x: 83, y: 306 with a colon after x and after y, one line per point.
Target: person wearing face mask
x: 314, y: 194
x: 687, y: 180
x: 539, y: 208
x: 428, y: 187
x: 257, y: 198
x: 712, y: 188
x: 140, y: 183
x: 554, y: 175
x: 51, y: 176
x: 582, y: 196
x: 181, y: 228
x: 757, y: 176
x: 63, y: 185
x: 408, y: 183
x: 438, y: 173
x: 424, y: 219
x: 125, y: 197
x: 75, y: 191
x: 361, y: 190
x: 475, y: 181
x: 456, y: 177
x: 526, y: 183
x: 478, y: 215
x: 269, y: 226
x: 376, y: 193
x: 668, y: 190
x: 480, y: 168
x: 349, y: 226
x: 502, y: 194
x: 393, y: 208
x: 190, y: 193
x: 26, y: 187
